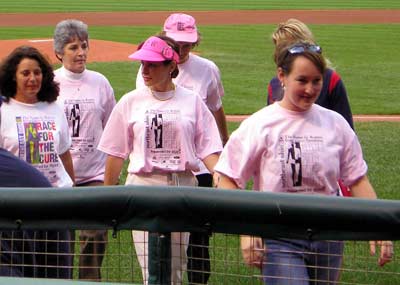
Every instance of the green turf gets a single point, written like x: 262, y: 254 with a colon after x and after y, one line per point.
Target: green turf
x: 365, y: 60
x: 175, y: 5
x: 364, y: 55
x: 379, y: 142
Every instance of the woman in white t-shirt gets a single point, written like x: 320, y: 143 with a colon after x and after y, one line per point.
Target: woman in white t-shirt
x: 164, y: 129
x: 34, y: 128
x: 284, y: 148
x: 87, y: 99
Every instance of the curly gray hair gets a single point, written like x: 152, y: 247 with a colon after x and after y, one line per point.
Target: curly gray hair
x: 68, y: 30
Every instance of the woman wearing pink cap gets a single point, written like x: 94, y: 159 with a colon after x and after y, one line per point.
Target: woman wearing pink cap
x: 202, y: 76
x: 161, y: 128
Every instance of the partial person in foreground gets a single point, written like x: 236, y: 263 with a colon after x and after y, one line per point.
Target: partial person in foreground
x: 20, y: 249
x: 164, y: 129
x: 202, y: 76
x: 285, y: 147
x: 34, y: 129
x: 87, y: 99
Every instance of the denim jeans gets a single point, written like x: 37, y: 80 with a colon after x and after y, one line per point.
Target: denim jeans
x: 302, y: 262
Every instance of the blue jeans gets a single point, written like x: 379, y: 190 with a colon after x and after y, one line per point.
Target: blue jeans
x: 302, y: 262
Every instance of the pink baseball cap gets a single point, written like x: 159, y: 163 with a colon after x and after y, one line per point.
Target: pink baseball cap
x: 181, y: 28
x: 155, y: 49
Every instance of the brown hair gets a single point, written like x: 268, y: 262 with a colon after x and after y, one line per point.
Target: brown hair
x: 8, y: 86
x: 175, y: 47
x: 284, y: 59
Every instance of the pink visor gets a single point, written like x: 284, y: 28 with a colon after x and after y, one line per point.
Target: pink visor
x: 181, y: 28
x: 155, y: 49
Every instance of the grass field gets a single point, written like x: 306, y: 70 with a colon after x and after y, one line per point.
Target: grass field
x: 9, y: 6
x: 366, y: 56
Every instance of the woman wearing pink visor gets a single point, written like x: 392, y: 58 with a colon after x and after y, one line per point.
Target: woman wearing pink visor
x: 164, y: 129
x: 202, y: 76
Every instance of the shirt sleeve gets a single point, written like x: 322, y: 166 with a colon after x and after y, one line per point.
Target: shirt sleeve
x: 117, y: 136
x: 352, y: 163
x: 65, y: 137
x: 241, y: 155
x: 215, y: 90
x: 207, y: 139
x: 339, y: 99
x: 109, y: 103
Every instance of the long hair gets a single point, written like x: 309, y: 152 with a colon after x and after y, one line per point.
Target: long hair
x: 49, y: 90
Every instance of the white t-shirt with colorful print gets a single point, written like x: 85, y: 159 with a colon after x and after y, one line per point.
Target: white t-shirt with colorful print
x: 294, y: 152
x: 38, y: 134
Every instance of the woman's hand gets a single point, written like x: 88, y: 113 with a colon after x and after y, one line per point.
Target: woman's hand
x: 252, y: 250
x: 386, y: 252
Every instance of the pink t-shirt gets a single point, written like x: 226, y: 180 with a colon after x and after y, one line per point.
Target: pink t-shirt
x: 87, y: 99
x: 201, y: 76
x: 166, y: 136
x: 284, y: 151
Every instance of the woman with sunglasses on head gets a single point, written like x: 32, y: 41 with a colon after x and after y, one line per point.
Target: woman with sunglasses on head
x: 164, y: 129
x: 284, y: 147
x: 333, y: 94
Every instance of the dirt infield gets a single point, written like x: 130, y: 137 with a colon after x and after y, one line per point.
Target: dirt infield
x: 100, y: 51
x: 119, y: 51
x: 208, y: 17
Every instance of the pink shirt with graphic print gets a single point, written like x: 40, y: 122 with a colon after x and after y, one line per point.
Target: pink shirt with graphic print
x: 165, y: 136
x: 286, y: 151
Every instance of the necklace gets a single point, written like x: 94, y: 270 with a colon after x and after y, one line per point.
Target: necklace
x: 163, y: 96
x: 75, y: 79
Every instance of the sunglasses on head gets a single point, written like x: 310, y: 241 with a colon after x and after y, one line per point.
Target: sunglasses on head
x: 301, y: 48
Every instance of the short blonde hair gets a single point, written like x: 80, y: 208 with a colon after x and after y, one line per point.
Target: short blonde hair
x: 292, y: 30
